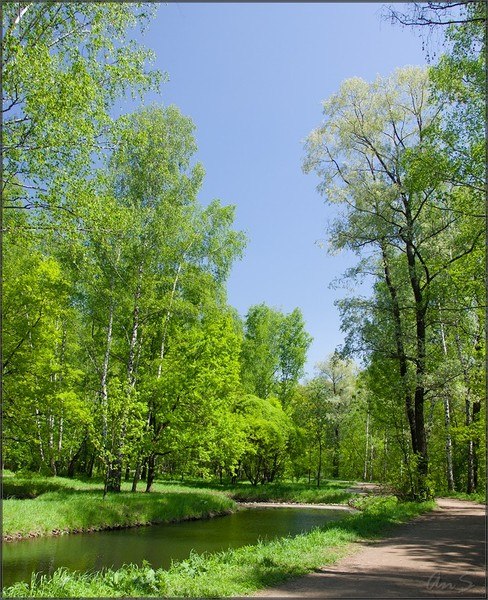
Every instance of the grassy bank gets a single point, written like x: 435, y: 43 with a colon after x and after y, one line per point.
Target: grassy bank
x: 57, y: 505
x: 330, y: 492
x: 35, y: 505
x: 234, y: 572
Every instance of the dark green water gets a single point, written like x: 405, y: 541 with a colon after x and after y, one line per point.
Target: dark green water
x: 157, y: 544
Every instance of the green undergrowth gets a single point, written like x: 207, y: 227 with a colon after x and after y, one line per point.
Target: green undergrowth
x: 67, y: 511
x: 479, y: 497
x: 235, y: 572
x: 330, y: 492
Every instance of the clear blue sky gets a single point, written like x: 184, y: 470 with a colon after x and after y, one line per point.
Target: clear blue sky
x: 252, y: 78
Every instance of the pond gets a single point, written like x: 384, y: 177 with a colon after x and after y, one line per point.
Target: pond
x: 157, y: 544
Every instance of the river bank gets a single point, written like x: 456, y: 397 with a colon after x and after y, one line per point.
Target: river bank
x: 35, y: 506
x: 73, y: 510
x: 237, y: 572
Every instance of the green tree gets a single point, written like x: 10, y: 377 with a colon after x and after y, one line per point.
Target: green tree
x: 267, y: 430
x: 274, y: 351
x: 191, y: 400
x: 63, y: 66
x: 376, y: 158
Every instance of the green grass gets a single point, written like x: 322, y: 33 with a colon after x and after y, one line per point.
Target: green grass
x: 236, y: 572
x: 479, y: 497
x: 36, y: 505
x: 59, y: 505
x: 331, y: 492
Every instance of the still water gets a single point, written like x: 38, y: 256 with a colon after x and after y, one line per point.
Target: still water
x: 157, y: 544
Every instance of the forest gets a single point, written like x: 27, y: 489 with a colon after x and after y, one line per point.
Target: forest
x: 122, y: 358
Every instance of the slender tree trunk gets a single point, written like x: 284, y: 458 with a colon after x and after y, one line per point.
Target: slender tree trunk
x: 137, y: 476
x: 470, y: 483
x: 104, y: 375
x: 50, y: 444
x: 75, y: 457
x: 167, y: 318
x: 319, y: 467
x: 104, y: 397
x: 135, y: 329
x: 90, y: 465
x: 39, y: 437
x: 60, y: 435
x: 335, y: 454
x: 366, y: 451
x: 470, y: 486
x: 447, y: 423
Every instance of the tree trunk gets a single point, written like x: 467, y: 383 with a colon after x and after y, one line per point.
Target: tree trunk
x: 421, y: 332
x: 400, y: 350
x: 137, y: 476
x: 151, y: 471
x: 469, y: 413
x: 447, y: 423
x: 470, y: 485
x: 50, y: 444
x: 366, y: 451
x: 39, y: 437
x: 74, y: 459
x: 335, y: 454
x: 319, y: 466
x: 104, y: 375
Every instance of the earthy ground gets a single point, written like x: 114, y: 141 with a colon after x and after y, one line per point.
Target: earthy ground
x: 441, y: 554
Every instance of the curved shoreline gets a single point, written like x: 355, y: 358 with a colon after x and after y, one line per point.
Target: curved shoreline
x: 344, y: 507
x: 18, y: 537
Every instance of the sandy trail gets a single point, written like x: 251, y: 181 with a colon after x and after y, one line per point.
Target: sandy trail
x: 441, y: 554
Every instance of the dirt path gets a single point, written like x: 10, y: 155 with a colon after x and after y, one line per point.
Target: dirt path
x: 439, y: 555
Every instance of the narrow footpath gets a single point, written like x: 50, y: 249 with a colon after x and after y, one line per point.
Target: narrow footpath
x: 441, y: 554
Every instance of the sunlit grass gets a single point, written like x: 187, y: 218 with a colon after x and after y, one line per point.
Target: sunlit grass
x: 83, y: 508
x: 479, y: 497
x: 330, y: 492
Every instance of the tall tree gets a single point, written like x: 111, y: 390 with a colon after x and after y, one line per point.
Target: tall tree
x: 377, y: 159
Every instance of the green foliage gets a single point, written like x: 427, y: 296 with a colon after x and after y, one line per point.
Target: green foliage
x: 69, y: 61
x: 273, y: 352
x: 267, y: 429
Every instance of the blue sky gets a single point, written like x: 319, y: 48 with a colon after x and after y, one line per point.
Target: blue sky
x: 252, y: 78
